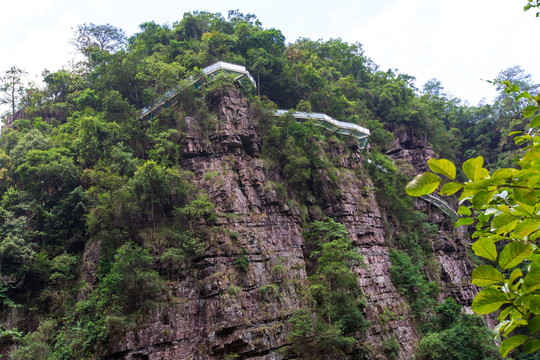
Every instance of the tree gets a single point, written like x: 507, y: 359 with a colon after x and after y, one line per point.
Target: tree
x: 505, y: 206
x: 131, y: 280
x: 89, y: 37
x: 505, y: 106
x: 259, y: 60
x: 336, y: 316
x: 12, y: 87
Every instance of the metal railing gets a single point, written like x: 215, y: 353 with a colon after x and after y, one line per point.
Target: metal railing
x: 331, y: 124
x: 441, y: 204
x: 434, y: 199
x: 233, y: 68
x: 168, y: 98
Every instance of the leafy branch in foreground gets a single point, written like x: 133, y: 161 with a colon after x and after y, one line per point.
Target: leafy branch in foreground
x: 506, y: 209
x: 532, y: 4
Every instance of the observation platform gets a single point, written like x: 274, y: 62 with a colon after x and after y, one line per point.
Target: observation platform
x: 331, y: 124
x: 239, y: 70
x: 170, y: 97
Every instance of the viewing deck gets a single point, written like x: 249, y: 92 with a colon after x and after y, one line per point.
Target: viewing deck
x: 230, y: 69
x: 170, y: 97
x: 331, y: 124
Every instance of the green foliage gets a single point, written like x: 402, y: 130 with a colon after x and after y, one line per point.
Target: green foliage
x: 197, y: 209
x: 12, y: 87
x: 337, y: 312
x: 38, y: 344
x: 532, y: 4
x: 456, y: 336
x: 504, y: 205
x: 287, y: 145
x: 242, y: 261
x: 81, y: 171
x: 9, y: 336
x: 157, y: 187
x: 410, y: 280
x: 391, y: 348
x: 131, y: 281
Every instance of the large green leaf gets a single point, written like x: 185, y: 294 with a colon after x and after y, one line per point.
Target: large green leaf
x: 443, y: 167
x: 504, y: 314
x: 486, y: 275
x: 464, y: 221
x: 529, y: 111
x: 464, y: 211
x: 534, y: 324
x: 423, y: 184
x: 451, y: 188
x: 533, y: 181
x: 489, y: 300
x: 532, y: 302
x: 516, y: 273
x: 506, y: 173
x: 511, y: 343
x: 504, y: 223
x: 514, y: 253
x: 532, y: 346
x: 536, y: 121
x: 474, y: 169
x: 532, y: 155
x: 525, y: 196
x: 526, y: 227
x: 531, y: 281
x: 484, y: 247
x: 481, y: 198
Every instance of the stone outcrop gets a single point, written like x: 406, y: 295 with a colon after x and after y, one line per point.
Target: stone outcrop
x: 450, y: 245
x: 221, y: 309
x: 412, y: 148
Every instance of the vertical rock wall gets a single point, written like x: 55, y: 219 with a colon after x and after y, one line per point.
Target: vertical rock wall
x: 220, y: 309
x: 450, y: 246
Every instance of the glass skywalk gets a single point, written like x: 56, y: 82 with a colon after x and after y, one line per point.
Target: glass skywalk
x: 171, y: 97
x: 331, y: 124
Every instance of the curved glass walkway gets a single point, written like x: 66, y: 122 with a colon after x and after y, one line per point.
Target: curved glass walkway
x: 442, y: 205
x: 170, y: 97
x: 245, y: 79
x: 331, y: 124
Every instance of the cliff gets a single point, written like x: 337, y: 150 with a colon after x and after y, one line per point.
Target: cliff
x: 219, y: 309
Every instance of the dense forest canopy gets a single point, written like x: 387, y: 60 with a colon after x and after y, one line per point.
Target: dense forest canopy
x: 79, y: 166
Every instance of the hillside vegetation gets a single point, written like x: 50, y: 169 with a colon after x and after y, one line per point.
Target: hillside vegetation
x: 79, y: 167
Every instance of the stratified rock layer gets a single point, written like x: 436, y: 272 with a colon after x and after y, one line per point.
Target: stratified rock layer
x: 219, y: 308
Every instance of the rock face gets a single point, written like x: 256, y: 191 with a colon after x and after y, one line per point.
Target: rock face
x: 449, y: 248
x: 413, y: 149
x: 223, y: 309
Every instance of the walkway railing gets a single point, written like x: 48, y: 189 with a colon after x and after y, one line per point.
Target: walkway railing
x: 331, y: 124
x: 431, y: 198
x: 442, y: 205
x: 335, y: 126
x: 169, y: 98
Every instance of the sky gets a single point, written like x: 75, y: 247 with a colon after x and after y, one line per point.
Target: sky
x: 462, y: 43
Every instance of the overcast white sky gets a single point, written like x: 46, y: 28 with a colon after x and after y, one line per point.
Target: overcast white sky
x: 459, y: 42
